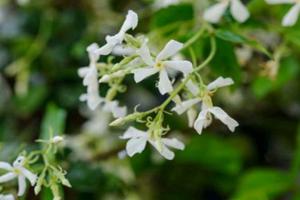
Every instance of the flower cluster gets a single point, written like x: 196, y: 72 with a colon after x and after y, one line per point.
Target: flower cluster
x: 142, y: 61
x: 22, y: 168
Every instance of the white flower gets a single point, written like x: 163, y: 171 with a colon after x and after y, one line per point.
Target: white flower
x: 204, y: 118
x: 115, y: 109
x: 138, y: 140
x: 160, y: 65
x: 158, y: 4
x: 292, y: 16
x: 239, y: 12
x: 7, y: 197
x: 130, y: 22
x: 90, y: 79
x: 56, y: 139
x: 17, y: 170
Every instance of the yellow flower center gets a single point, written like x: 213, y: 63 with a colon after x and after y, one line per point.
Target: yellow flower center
x: 159, y: 65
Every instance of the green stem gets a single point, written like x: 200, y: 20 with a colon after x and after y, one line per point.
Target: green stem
x: 194, y: 38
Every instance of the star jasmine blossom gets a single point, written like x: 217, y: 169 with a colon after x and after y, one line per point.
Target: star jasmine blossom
x: 17, y: 170
x: 238, y: 11
x: 290, y: 19
x: 138, y: 139
x: 160, y: 65
x: 204, y: 118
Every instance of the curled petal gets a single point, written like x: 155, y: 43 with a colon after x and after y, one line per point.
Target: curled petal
x: 174, y: 143
x: 164, y: 83
x: 130, y: 22
x: 171, y: 48
x: 6, y: 166
x: 115, y: 109
x: 29, y: 175
x: 224, y: 118
x: 133, y: 133
x: 214, y: 13
x: 107, y: 48
x: 201, y: 121
x: 163, y: 150
x: 291, y: 17
x: 185, y: 105
x: 93, y: 56
x: 83, y: 71
x: 7, y: 177
x: 142, y: 73
x: 192, y: 114
x: 22, y: 185
x: 239, y: 11
x: 183, y: 66
x: 136, y: 145
x: 220, y: 82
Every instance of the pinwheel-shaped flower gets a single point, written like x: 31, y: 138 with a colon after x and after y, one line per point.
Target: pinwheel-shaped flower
x: 239, y: 12
x: 160, y: 65
x: 17, y: 170
x: 204, y: 118
x: 292, y: 16
x: 7, y: 197
x: 130, y: 22
x: 138, y: 140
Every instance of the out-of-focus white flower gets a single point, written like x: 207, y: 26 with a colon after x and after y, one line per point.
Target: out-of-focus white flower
x: 239, y: 12
x: 90, y: 79
x: 56, y: 139
x: 130, y: 22
x: 160, y: 64
x: 7, y: 197
x: 97, y: 123
x: 292, y: 16
x: 115, y: 109
x: 243, y: 54
x: 204, y: 118
x: 17, y: 170
x: 138, y: 140
x: 158, y: 4
x: 23, y: 2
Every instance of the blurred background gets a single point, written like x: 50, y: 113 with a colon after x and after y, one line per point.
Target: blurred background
x: 42, y: 45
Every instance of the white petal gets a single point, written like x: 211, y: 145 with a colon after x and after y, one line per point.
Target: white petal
x: 29, y: 175
x: 193, y: 88
x: 279, y: 1
x: 142, y: 73
x: 92, y: 96
x: 107, y: 48
x: 224, y: 117
x: 200, y: 121
x: 183, y: 66
x: 185, y: 105
x: 83, y: 71
x: 214, y: 13
x: 7, y: 177
x: 174, y: 143
x: 239, y: 11
x: 291, y: 17
x: 93, y: 56
x: 6, y: 166
x: 192, y: 114
x: 163, y: 150
x: 132, y: 132
x: 171, y: 48
x: 136, y: 145
x: 164, y: 83
x: 7, y: 197
x: 130, y: 22
x: 115, y: 109
x: 120, y: 50
x: 22, y: 185
x: 144, y: 53
x: 220, y: 82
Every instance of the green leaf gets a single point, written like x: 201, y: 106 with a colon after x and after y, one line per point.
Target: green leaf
x: 262, y: 184
x: 54, y: 121
x: 212, y: 153
x: 171, y: 14
x: 239, y: 39
x: 225, y: 62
